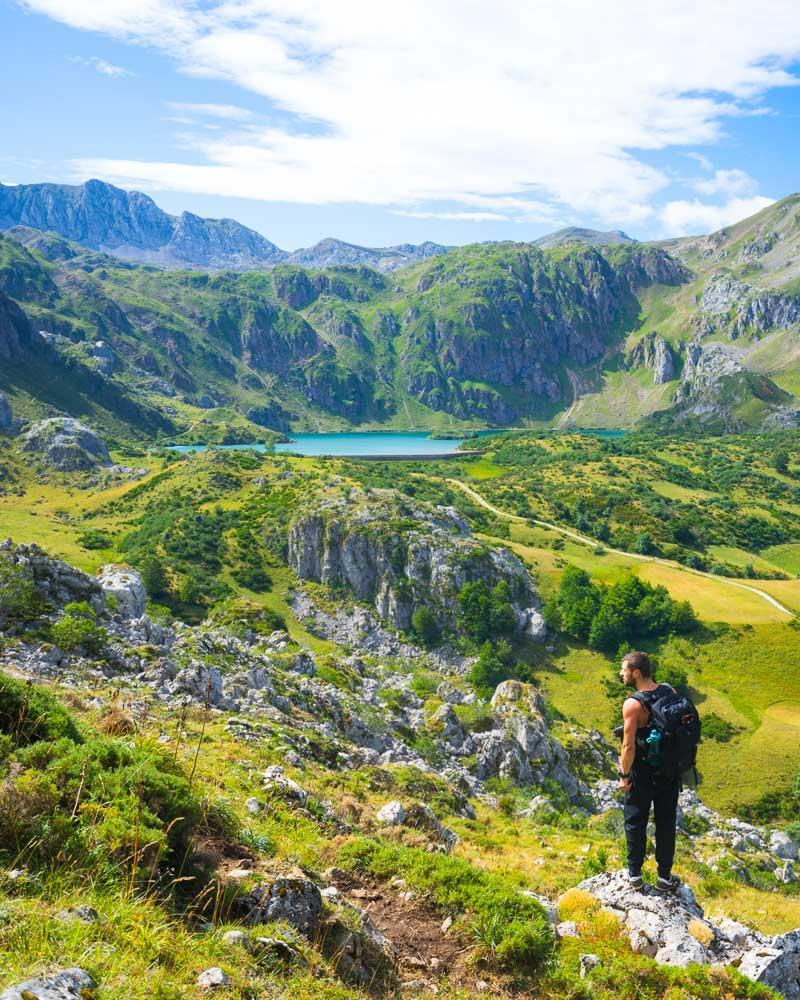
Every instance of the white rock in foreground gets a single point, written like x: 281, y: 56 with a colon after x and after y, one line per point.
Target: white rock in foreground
x: 673, y: 930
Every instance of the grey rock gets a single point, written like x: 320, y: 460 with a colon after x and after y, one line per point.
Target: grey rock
x: 653, y: 352
x: 391, y: 814
x: 238, y: 938
x: 786, y: 873
x: 6, y: 415
x: 347, y: 544
x: 293, y: 898
x: 782, y: 845
x: 57, y: 582
x: 588, y: 962
x: 276, y: 781
x: 69, y: 984
x: 776, y: 964
x: 253, y: 805
x: 213, y: 978
x: 567, y: 928
x: 83, y: 914
x: 66, y: 445
x: 125, y: 586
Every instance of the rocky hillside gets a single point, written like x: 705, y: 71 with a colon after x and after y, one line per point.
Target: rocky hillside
x: 585, y: 328
x: 347, y: 811
x: 484, y: 333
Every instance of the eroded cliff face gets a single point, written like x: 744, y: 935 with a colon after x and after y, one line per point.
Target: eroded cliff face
x: 399, y: 556
x: 514, y: 324
x: 736, y: 309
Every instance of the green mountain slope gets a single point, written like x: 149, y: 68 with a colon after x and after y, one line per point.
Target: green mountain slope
x: 697, y: 331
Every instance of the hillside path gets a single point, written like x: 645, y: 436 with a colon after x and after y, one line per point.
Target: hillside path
x: 584, y: 540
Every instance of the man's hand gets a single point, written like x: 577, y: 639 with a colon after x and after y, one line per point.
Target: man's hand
x: 625, y: 784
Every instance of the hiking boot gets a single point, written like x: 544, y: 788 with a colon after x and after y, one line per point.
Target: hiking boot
x: 668, y: 885
x: 635, y: 881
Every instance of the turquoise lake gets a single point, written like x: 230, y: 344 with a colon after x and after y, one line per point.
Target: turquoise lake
x: 371, y: 443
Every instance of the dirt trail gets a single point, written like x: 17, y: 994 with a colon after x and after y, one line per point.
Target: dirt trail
x: 592, y: 543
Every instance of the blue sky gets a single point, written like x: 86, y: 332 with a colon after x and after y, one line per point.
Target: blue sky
x: 380, y: 123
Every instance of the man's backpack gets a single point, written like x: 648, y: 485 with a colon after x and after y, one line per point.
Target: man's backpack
x: 673, y: 732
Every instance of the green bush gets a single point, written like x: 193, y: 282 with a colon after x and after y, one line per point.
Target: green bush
x: 19, y: 599
x: 717, y: 728
x: 425, y: 627
x: 105, y: 802
x: 29, y: 713
x: 486, y: 612
x: 512, y: 929
x: 77, y: 629
x: 610, y: 617
x: 239, y: 615
x: 494, y: 665
x: 91, y: 538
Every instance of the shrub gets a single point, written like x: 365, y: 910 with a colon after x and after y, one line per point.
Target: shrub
x: 91, y: 538
x: 511, y: 928
x: 425, y: 627
x: 77, y: 629
x: 105, y: 800
x: 717, y: 728
x: 484, y: 612
x: 239, y: 615
x: 29, y: 713
x: 496, y: 664
x: 154, y: 576
x: 19, y: 599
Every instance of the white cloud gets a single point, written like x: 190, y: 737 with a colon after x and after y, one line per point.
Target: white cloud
x: 101, y: 66
x: 728, y: 182
x: 230, y: 112
x: 453, y: 216
x: 553, y: 104
x: 686, y: 218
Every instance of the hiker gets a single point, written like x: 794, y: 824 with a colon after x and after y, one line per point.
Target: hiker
x: 660, y: 733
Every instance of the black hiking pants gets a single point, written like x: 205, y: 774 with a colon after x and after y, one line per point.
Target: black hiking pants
x: 649, y: 789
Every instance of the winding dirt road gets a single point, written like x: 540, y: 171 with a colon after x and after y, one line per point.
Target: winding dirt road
x: 592, y: 543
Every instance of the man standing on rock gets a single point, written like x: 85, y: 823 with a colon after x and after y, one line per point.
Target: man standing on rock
x: 643, y: 784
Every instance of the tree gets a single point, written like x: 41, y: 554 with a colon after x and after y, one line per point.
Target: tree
x: 644, y: 544
x: 154, y: 576
x: 486, y: 613
x: 77, y: 629
x: 425, y: 626
x: 780, y: 462
x: 494, y: 665
x: 19, y: 599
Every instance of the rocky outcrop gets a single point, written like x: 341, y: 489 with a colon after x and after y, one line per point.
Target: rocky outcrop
x: 70, y: 984
x: 737, y: 309
x: 124, y: 586
x: 399, y: 556
x: 276, y: 339
x: 57, y: 582
x: 716, y: 390
x: 654, y: 353
x: 520, y: 747
x: 292, y: 898
x: 17, y: 337
x: 335, y: 253
x: 515, y: 325
x: 674, y: 931
x: 66, y: 445
x: 7, y: 422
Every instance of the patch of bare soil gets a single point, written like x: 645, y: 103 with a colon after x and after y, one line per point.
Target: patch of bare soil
x: 427, y: 948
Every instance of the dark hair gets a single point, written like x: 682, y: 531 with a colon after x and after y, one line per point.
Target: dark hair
x: 637, y: 661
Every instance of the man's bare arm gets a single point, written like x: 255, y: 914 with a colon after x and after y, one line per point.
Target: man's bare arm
x: 630, y: 719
